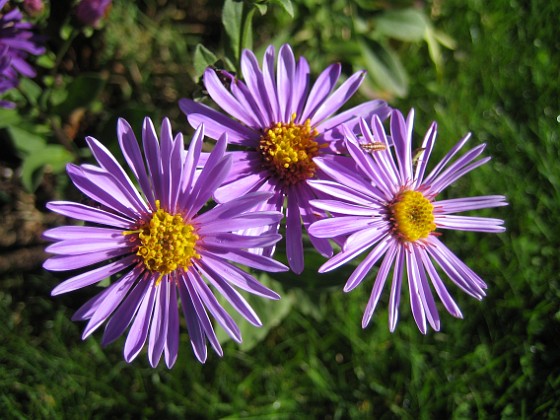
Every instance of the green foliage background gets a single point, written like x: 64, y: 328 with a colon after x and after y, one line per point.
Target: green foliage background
x: 501, y: 82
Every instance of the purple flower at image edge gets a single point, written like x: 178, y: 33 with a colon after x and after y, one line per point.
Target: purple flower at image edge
x: 281, y: 122
x: 17, y: 42
x: 164, y: 248
x: 383, y: 201
x: 90, y: 12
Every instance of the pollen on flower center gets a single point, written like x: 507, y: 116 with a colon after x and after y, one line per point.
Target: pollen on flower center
x: 288, y: 149
x: 412, y: 216
x: 166, y: 242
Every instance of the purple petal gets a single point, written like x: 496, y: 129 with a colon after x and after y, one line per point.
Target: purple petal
x: 110, y: 164
x: 114, y: 296
x: 139, y: 329
x: 380, y: 280
x: 269, y: 83
x: 172, y: 342
x: 158, y: 329
x: 225, y: 99
x: 92, y: 276
x: 344, y: 208
x: 338, y: 226
x: 217, y: 311
x: 194, y: 327
x: 395, y: 296
x: 441, y: 290
x: 133, y: 156
x: 294, y: 241
x: 259, y: 262
x: 216, y: 124
x: 201, y: 314
x: 470, y: 223
x: 457, y: 205
x: 233, y: 297
x: 87, y: 245
x: 415, y: 291
x: 322, y: 87
x: 72, y: 262
x: 153, y: 156
x: 365, y: 266
x: 285, y: 75
x: 124, y: 313
x: 89, y: 214
x: 238, y: 277
x: 81, y: 232
x: 338, y: 98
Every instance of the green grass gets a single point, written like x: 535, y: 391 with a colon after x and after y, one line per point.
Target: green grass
x: 502, y: 360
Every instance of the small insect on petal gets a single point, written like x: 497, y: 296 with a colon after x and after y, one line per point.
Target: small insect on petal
x: 376, y: 146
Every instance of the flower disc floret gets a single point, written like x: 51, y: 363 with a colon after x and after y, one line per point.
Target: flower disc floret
x: 412, y: 216
x: 166, y: 242
x: 288, y: 149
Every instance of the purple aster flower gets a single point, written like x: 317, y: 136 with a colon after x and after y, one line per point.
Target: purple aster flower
x: 17, y: 41
x: 282, y: 121
x: 384, y: 201
x: 164, y: 248
x: 90, y: 12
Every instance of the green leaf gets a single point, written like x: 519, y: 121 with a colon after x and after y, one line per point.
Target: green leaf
x: 287, y: 5
x: 232, y: 19
x: 31, y: 90
x: 385, y: 69
x: 203, y: 58
x: 237, y: 21
x: 54, y: 156
x: 9, y: 117
x: 406, y: 25
x: 25, y: 141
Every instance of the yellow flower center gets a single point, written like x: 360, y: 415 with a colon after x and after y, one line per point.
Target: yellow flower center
x: 166, y: 242
x: 288, y: 149
x: 412, y: 216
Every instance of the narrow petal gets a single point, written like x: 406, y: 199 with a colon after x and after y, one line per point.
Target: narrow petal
x: 115, y: 295
x: 380, y: 280
x: 81, y: 232
x: 93, y: 276
x: 284, y: 78
x: 110, y: 164
x: 457, y: 205
x: 139, y: 329
x: 89, y: 214
x: 172, y: 341
x: 338, y: 98
x: 233, y: 297
x: 470, y: 223
x: 338, y: 226
x: 395, y: 296
x: 415, y: 291
x: 322, y: 87
x: 194, y: 327
x: 238, y: 277
x: 160, y: 320
x: 294, y: 241
x: 72, y: 262
x: 133, y: 156
x: 126, y: 311
x: 216, y: 124
x: 365, y: 266
x: 201, y: 313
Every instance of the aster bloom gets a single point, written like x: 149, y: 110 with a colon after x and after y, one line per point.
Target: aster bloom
x: 161, y: 245
x: 281, y: 122
x: 20, y: 40
x: 384, y: 201
x: 90, y: 12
